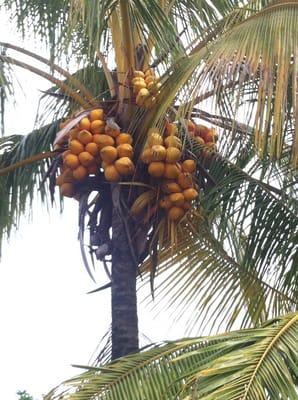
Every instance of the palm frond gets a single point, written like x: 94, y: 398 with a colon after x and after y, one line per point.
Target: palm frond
x: 258, y: 363
x: 20, y: 186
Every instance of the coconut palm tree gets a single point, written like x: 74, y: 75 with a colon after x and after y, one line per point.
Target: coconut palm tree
x: 225, y: 260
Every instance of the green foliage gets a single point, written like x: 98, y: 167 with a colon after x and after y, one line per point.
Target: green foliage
x: 258, y: 363
x: 23, y: 395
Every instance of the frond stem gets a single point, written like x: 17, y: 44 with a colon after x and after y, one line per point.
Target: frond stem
x: 82, y: 88
x: 62, y: 85
x: 30, y: 160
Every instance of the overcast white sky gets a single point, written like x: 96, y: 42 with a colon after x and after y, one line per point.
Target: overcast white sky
x: 48, y: 322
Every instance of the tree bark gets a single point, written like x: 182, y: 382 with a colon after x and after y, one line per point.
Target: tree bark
x: 124, y: 297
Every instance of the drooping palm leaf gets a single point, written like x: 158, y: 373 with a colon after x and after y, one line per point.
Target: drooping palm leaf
x: 256, y: 364
x: 19, y: 187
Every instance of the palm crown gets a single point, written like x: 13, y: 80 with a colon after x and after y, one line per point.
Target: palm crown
x: 232, y: 259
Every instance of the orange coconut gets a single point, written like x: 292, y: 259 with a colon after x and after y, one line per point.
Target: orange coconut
x: 156, y: 169
x: 108, y: 154
x: 175, y: 213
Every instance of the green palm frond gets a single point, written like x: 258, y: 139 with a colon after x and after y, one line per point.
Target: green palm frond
x: 189, y: 285
x: 19, y: 187
x: 251, y: 364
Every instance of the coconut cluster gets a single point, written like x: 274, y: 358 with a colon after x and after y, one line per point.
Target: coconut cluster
x: 145, y: 87
x: 94, y: 143
x: 203, y: 135
x: 177, y: 184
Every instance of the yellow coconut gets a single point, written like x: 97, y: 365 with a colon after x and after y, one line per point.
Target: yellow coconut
x: 143, y: 94
x: 173, y: 155
x: 97, y: 126
x: 185, y: 180
x: 111, y: 173
x: 123, y: 138
x: 173, y: 141
x: 138, y: 74
x: 158, y: 152
x: 154, y: 139
x: 86, y: 158
x: 171, y: 129
x: 103, y: 140
x: 96, y: 114
x: 190, y: 194
x: 108, y: 154
x: 85, y: 136
x: 177, y: 199
x: 84, y: 123
x: 171, y: 171
x: 146, y: 155
x: 92, y: 148
x: 165, y: 203
x: 189, y: 166
x: 171, y: 187
x: 67, y: 189
x: 156, y: 169
x: 124, y: 166
x: 71, y: 161
x: 175, y: 213
x: 125, y: 150
x: 139, y: 84
x: 75, y: 147
x: 80, y: 173
x: 211, y: 146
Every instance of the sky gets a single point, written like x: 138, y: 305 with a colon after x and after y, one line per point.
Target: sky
x: 48, y: 322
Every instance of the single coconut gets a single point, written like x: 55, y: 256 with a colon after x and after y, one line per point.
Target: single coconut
x: 171, y: 171
x: 189, y: 166
x: 165, y: 203
x: 108, y: 154
x: 86, y: 158
x: 170, y: 187
x: 75, y: 146
x: 173, y: 155
x: 185, y: 180
x: 103, y: 140
x: 173, y: 141
x: 175, y: 213
x: 123, y: 138
x: 125, y: 150
x: 190, y: 194
x: 158, y: 152
x: 146, y: 156
x: 154, y: 139
x: 85, y: 136
x: 171, y: 129
x: 156, y: 169
x: 111, y: 173
x: 177, y: 199
x: 124, y: 166
x: 80, y: 173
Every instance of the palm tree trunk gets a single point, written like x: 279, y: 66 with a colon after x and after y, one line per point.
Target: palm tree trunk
x: 124, y: 297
